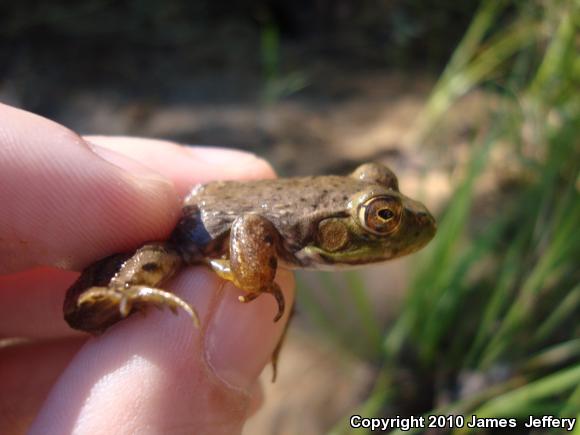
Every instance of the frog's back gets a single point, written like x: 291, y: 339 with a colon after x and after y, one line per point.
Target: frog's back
x: 291, y: 204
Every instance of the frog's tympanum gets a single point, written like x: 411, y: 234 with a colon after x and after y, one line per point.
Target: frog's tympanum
x: 245, y: 230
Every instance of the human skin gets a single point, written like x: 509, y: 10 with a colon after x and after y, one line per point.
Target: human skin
x: 66, y: 201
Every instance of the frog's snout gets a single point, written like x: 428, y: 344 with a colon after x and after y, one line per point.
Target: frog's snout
x: 420, y: 212
x: 427, y: 220
x: 422, y: 223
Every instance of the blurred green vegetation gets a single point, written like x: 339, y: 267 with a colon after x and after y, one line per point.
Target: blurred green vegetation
x: 496, y: 297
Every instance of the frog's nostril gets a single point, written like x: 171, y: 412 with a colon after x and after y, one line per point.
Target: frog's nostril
x: 423, y: 216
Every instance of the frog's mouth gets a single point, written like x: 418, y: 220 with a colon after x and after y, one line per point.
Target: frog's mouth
x: 418, y: 229
x: 315, y: 258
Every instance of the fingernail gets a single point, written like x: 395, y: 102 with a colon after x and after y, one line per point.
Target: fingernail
x: 133, y: 167
x: 242, y: 337
x: 217, y: 155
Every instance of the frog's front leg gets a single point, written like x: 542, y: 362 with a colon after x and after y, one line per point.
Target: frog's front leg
x: 119, y: 285
x: 252, y: 259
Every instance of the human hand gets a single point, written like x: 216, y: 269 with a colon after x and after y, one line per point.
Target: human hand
x: 66, y: 201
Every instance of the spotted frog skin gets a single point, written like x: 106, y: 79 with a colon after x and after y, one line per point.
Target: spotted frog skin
x: 245, y: 230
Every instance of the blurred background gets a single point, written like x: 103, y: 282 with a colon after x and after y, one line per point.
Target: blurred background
x: 474, y: 104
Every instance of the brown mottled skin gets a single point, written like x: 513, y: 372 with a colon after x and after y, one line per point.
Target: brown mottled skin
x: 244, y: 229
x: 295, y: 206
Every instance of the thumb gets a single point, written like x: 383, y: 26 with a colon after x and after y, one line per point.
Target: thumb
x: 158, y: 374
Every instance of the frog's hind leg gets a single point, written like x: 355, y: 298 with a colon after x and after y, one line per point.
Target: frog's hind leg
x: 253, y: 259
x: 122, y: 284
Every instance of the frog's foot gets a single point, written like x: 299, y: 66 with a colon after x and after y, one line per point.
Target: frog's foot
x: 275, y: 291
x: 136, y: 296
x: 277, y: 350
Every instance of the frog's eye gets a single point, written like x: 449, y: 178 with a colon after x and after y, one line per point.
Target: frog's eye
x: 380, y: 215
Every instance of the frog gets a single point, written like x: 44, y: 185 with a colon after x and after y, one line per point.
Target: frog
x: 246, y: 230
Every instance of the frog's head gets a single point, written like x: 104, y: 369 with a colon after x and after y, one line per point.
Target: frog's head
x: 379, y: 224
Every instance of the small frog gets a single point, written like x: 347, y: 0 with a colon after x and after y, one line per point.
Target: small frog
x: 245, y: 230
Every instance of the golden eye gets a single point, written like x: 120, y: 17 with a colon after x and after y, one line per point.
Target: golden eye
x: 380, y: 215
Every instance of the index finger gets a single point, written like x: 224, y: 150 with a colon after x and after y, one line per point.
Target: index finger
x: 63, y: 205
x: 186, y: 165
x: 66, y: 202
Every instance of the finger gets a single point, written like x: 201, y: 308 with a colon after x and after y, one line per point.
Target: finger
x: 161, y: 374
x: 31, y: 303
x: 257, y: 399
x: 187, y: 165
x: 27, y: 373
x: 64, y: 205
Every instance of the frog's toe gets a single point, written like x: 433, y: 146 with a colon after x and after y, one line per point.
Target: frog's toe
x: 99, y: 296
x: 248, y: 297
x: 159, y: 298
x: 94, y: 310
x: 275, y: 291
x: 279, y: 296
x: 135, y: 297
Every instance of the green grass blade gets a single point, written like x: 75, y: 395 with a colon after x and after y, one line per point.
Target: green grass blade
x: 516, y: 402
x: 559, y: 315
x: 365, y: 312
